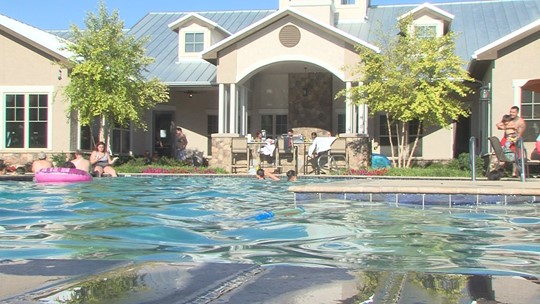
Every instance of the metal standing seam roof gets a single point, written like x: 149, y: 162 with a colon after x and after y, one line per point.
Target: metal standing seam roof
x: 39, y: 37
x: 163, y: 45
x: 476, y: 24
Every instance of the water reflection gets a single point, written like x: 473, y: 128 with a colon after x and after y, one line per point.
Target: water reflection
x: 241, y: 283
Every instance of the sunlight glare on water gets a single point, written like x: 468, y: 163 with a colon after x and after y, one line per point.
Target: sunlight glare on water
x: 184, y: 219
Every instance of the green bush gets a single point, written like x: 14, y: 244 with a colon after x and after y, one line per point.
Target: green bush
x: 462, y: 163
x: 60, y: 158
x: 164, y: 165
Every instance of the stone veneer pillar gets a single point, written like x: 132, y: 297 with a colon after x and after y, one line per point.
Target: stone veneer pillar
x: 358, y: 149
x: 221, y: 151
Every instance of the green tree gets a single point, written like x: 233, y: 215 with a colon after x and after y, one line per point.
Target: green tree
x: 413, y: 79
x: 106, y: 79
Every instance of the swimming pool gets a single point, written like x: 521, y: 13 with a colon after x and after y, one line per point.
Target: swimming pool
x: 211, y: 219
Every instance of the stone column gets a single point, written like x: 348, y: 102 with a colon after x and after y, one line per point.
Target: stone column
x: 221, y: 151
x: 358, y: 150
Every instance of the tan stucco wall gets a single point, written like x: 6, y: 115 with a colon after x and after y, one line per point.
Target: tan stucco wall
x: 26, y: 69
x: 245, y: 57
x: 520, y: 64
x: 438, y: 144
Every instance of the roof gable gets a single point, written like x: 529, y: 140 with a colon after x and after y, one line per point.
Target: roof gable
x: 49, y: 43
x: 176, y: 25
x: 490, y: 51
x: 428, y: 9
x: 213, y: 51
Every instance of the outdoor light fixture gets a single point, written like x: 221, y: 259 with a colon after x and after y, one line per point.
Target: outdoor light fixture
x: 59, y: 74
x: 484, y: 93
x: 190, y: 93
x: 304, y: 91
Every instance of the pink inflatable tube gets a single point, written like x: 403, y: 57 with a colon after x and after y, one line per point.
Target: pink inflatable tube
x: 62, y: 175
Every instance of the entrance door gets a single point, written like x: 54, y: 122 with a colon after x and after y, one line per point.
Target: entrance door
x: 163, y: 133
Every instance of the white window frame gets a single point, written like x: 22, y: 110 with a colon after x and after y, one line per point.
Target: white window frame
x: 26, y: 90
x: 194, y: 44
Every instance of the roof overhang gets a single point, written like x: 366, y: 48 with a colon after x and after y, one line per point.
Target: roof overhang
x: 490, y: 51
x: 212, y: 53
x: 194, y: 16
x: 43, y: 41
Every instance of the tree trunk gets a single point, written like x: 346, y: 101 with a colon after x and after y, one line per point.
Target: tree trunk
x: 418, y: 131
x: 389, y: 125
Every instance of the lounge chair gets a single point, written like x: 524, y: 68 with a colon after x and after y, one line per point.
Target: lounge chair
x: 502, y: 159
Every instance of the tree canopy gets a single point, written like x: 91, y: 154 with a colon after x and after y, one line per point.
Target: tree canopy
x: 106, y: 74
x: 413, y: 79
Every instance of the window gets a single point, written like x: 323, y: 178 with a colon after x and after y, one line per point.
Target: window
x: 27, y: 122
x: 194, y: 42
x: 347, y: 2
x: 530, y: 112
x: 384, y: 138
x: 275, y: 125
x: 340, y: 123
x: 89, y: 135
x: 212, y: 126
x: 120, y: 143
x: 425, y: 31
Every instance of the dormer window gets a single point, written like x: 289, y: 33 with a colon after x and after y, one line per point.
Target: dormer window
x: 425, y: 31
x: 194, y: 42
x: 348, y: 2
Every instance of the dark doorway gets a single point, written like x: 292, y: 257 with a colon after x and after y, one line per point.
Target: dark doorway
x: 163, y: 137
x: 463, y: 135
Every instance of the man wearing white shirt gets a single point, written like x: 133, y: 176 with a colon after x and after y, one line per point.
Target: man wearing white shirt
x: 319, y: 146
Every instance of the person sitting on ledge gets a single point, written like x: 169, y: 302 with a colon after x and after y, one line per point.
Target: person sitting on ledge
x: 102, y: 162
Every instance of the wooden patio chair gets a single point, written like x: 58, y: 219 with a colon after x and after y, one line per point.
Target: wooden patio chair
x: 286, y: 154
x: 239, y: 154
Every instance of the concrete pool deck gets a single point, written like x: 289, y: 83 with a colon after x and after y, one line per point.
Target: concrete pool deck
x: 98, y: 281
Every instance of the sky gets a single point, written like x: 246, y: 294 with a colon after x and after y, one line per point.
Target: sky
x: 60, y: 14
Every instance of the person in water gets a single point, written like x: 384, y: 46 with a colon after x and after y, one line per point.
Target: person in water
x: 291, y: 176
x: 263, y: 173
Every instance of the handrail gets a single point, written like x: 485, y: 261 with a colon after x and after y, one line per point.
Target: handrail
x: 472, y: 157
x: 520, y: 158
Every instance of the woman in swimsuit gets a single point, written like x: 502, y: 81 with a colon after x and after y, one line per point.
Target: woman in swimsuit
x: 102, y: 162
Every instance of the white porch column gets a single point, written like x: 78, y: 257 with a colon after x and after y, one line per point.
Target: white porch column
x: 222, y: 119
x: 349, y: 109
x: 233, y: 109
x: 243, y: 110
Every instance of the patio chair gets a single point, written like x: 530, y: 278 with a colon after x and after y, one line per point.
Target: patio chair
x: 339, y: 155
x: 502, y: 159
x: 286, y: 154
x: 239, y: 154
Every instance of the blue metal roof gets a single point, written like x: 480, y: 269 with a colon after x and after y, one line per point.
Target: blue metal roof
x: 163, y: 45
x: 477, y: 24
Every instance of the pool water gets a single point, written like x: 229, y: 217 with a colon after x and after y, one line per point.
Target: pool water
x: 182, y: 219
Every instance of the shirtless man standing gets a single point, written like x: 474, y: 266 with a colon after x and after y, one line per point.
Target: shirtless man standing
x: 520, y: 126
x: 518, y: 122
